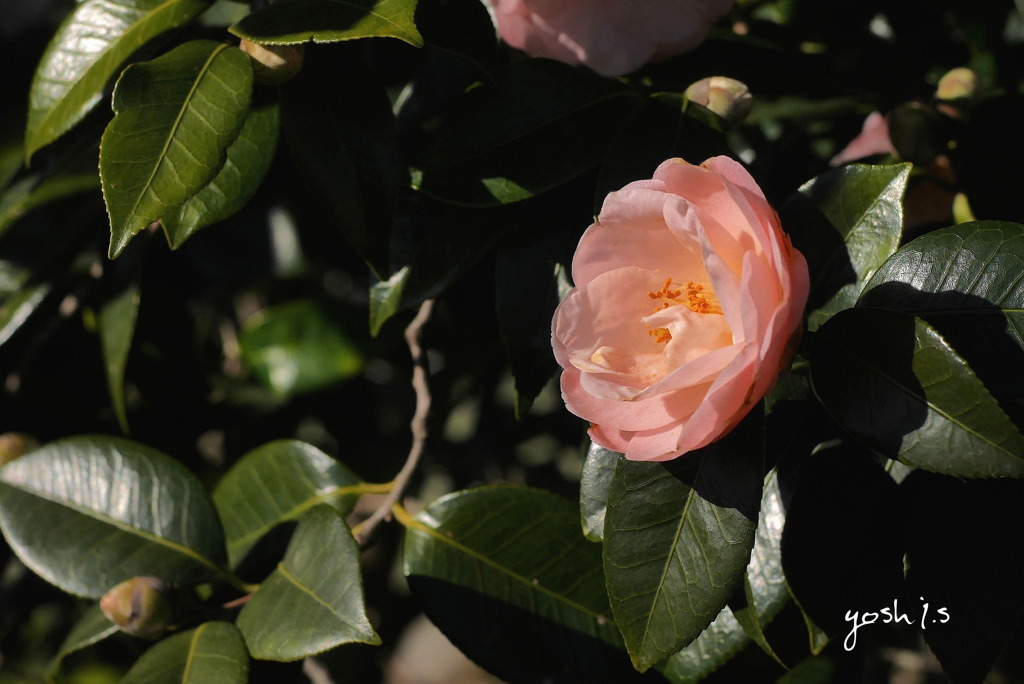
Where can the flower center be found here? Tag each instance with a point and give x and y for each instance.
(697, 297)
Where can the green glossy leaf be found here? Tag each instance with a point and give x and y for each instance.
(116, 324)
(847, 222)
(30, 193)
(248, 159)
(277, 482)
(893, 381)
(174, 119)
(344, 141)
(677, 539)
(965, 281)
(86, 52)
(298, 347)
(91, 628)
(212, 653)
(432, 255)
(765, 594)
(526, 297)
(598, 469)
(486, 150)
(313, 601)
(330, 21)
(113, 509)
(507, 566)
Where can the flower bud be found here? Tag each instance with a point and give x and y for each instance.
(139, 607)
(957, 84)
(726, 97)
(273, 64)
(14, 444)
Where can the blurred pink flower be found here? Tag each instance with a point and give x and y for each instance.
(612, 37)
(689, 300)
(873, 139)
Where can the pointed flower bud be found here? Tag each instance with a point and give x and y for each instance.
(139, 607)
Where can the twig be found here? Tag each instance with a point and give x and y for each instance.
(418, 423)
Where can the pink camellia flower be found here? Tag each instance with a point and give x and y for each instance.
(689, 299)
(612, 37)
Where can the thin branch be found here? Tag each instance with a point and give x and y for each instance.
(418, 423)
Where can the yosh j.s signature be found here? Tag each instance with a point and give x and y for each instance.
(888, 615)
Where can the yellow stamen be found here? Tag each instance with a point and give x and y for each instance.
(698, 297)
(660, 334)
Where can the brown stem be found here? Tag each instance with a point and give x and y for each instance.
(418, 423)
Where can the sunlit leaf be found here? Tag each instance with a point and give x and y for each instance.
(248, 159)
(505, 573)
(277, 482)
(765, 595)
(677, 538)
(175, 117)
(313, 601)
(212, 653)
(964, 280)
(846, 221)
(595, 482)
(86, 513)
(330, 21)
(892, 380)
(86, 52)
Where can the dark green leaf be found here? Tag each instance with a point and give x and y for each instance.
(846, 221)
(330, 21)
(963, 578)
(459, 27)
(86, 513)
(965, 281)
(486, 150)
(598, 470)
(212, 653)
(86, 52)
(658, 130)
(765, 594)
(430, 256)
(297, 347)
(91, 628)
(19, 307)
(313, 601)
(116, 324)
(174, 118)
(505, 573)
(29, 193)
(248, 159)
(677, 539)
(892, 380)
(527, 294)
(840, 532)
(276, 482)
(345, 143)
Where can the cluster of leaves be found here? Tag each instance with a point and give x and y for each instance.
(413, 157)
